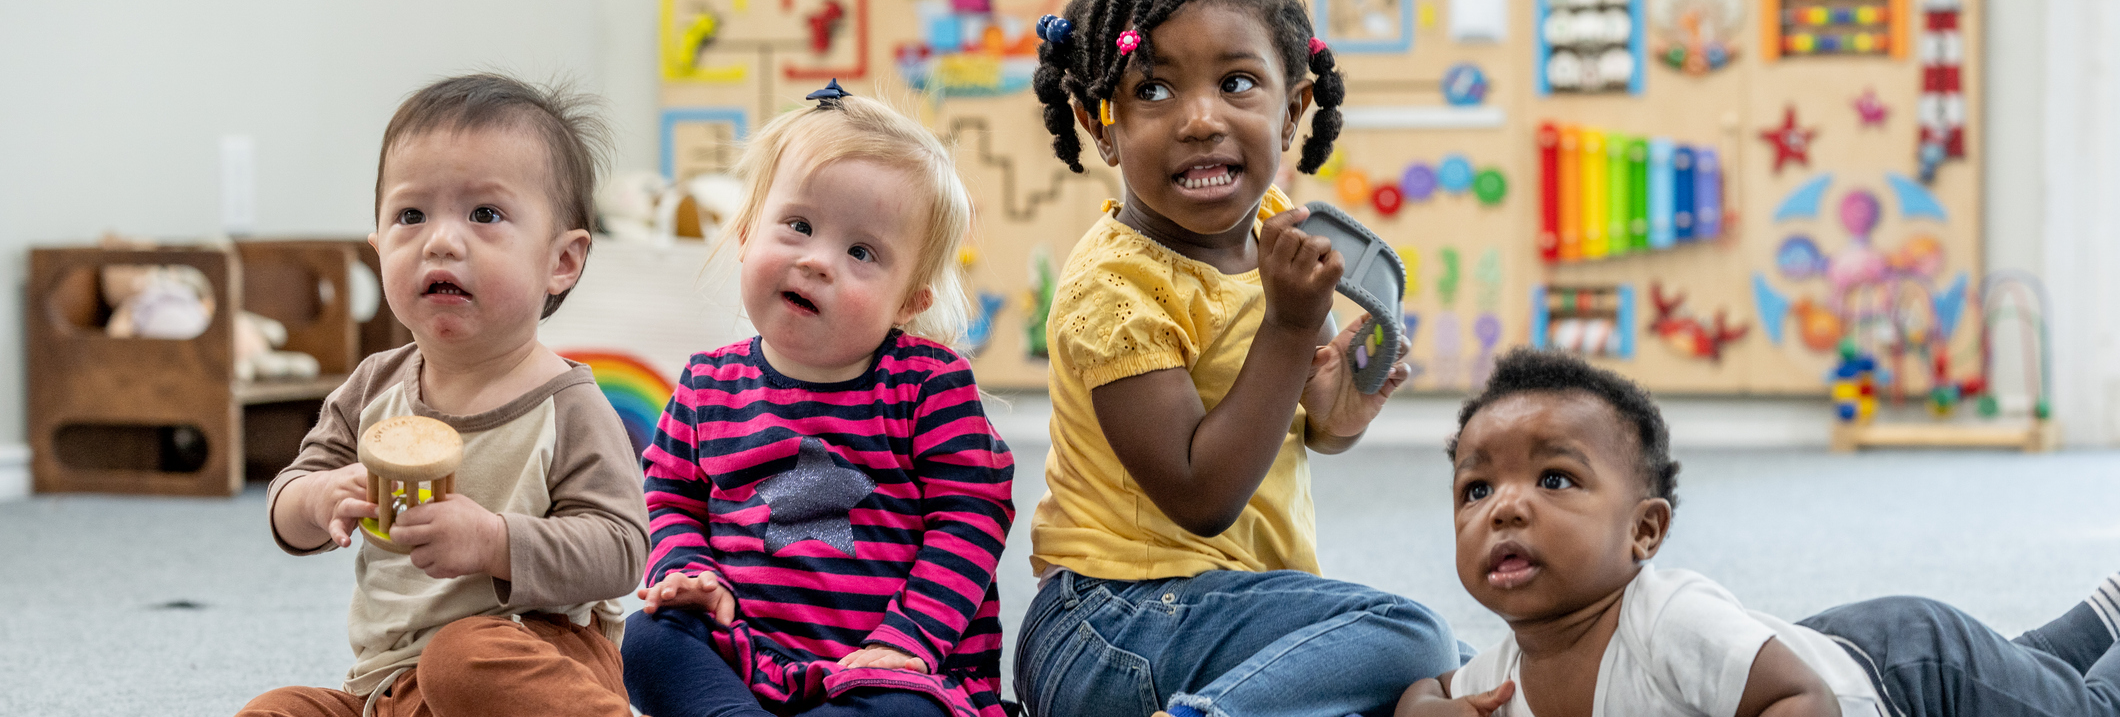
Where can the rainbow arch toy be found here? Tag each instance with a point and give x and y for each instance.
(636, 390)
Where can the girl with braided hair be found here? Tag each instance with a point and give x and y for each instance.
(1192, 369)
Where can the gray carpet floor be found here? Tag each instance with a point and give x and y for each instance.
(131, 606)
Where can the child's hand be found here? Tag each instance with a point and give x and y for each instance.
(1298, 272)
(704, 591)
(453, 537)
(338, 500)
(1479, 705)
(885, 657)
(1334, 405)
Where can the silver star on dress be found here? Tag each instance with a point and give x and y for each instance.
(811, 501)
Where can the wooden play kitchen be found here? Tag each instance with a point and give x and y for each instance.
(402, 454)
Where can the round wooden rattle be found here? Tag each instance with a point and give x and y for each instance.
(401, 453)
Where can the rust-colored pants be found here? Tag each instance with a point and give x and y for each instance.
(544, 665)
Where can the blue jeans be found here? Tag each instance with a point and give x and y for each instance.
(672, 670)
(1930, 660)
(1227, 643)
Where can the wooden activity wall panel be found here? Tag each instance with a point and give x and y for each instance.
(1707, 195)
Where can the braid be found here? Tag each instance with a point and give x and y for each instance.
(1050, 83)
(1327, 92)
(1107, 49)
(1086, 69)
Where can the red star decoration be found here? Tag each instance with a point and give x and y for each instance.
(1870, 108)
(1790, 142)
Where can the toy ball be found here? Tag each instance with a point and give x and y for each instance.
(1418, 182)
(1560, 28)
(1858, 212)
(1333, 163)
(1615, 67)
(1618, 26)
(1564, 70)
(1387, 199)
(1490, 187)
(1942, 399)
(1464, 85)
(1455, 176)
(1354, 187)
(1718, 55)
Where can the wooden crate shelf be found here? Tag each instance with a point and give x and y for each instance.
(168, 417)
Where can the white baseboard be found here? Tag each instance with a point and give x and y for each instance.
(1694, 422)
(1429, 420)
(14, 472)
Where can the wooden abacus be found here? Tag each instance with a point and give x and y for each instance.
(401, 454)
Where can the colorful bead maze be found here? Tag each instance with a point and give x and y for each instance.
(1813, 28)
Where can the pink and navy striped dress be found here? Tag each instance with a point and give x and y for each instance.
(847, 514)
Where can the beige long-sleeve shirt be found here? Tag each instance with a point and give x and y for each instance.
(555, 463)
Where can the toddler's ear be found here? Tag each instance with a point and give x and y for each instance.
(1298, 102)
(1652, 521)
(1095, 127)
(570, 252)
(918, 301)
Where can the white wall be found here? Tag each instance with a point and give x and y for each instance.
(114, 110)
(2081, 250)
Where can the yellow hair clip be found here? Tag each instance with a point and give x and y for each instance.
(1104, 112)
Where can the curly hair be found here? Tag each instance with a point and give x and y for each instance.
(1085, 69)
(1527, 370)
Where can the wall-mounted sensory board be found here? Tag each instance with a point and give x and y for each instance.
(1707, 195)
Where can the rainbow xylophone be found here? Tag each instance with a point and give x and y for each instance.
(1604, 194)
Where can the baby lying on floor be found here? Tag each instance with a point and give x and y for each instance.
(1564, 488)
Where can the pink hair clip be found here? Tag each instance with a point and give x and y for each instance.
(1316, 45)
(1128, 41)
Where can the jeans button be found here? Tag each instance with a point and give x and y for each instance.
(1170, 598)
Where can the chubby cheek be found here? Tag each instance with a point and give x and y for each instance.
(757, 277)
(1471, 543)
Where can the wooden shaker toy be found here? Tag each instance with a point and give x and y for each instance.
(401, 454)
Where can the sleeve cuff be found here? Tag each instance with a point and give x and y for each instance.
(1128, 368)
(272, 505)
(893, 638)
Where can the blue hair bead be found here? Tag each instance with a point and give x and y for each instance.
(1055, 29)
